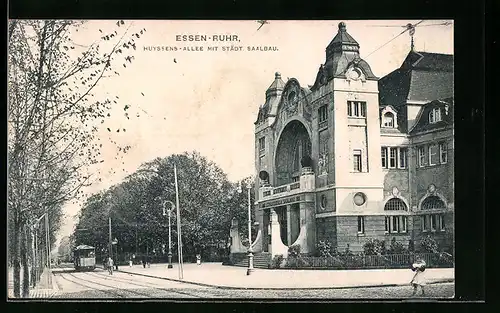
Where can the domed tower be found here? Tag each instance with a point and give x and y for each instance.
(264, 139)
(264, 147)
(352, 176)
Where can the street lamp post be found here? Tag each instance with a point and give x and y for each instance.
(250, 250)
(168, 211)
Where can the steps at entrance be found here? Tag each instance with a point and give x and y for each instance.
(260, 260)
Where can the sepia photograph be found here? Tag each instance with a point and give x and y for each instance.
(230, 159)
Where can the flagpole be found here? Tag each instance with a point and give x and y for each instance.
(179, 237)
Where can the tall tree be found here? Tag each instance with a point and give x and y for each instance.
(53, 119)
(207, 200)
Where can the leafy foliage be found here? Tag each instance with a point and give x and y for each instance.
(207, 203)
(397, 247)
(429, 245)
(294, 251)
(374, 247)
(325, 249)
(276, 261)
(53, 120)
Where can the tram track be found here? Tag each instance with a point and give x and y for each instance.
(88, 286)
(144, 285)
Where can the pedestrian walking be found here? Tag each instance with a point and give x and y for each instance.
(130, 262)
(110, 266)
(143, 260)
(198, 259)
(418, 279)
(148, 261)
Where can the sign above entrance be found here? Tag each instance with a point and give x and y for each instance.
(280, 202)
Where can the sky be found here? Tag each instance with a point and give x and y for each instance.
(208, 100)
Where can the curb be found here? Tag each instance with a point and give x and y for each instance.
(285, 288)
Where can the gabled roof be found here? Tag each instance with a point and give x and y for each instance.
(429, 61)
(422, 121)
(423, 76)
(394, 88)
(430, 85)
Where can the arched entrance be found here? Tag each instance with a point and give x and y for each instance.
(293, 145)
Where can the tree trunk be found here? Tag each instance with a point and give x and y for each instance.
(33, 258)
(17, 250)
(24, 261)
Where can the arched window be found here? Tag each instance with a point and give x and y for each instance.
(388, 119)
(395, 204)
(433, 202)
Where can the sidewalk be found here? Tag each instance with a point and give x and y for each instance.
(41, 290)
(230, 277)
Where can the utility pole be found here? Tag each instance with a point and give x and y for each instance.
(110, 250)
(250, 250)
(179, 236)
(49, 276)
(136, 238)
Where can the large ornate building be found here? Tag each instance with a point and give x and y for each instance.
(356, 157)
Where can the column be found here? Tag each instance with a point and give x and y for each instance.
(294, 223)
(289, 225)
(308, 224)
(277, 246)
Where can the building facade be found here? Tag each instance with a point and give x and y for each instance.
(354, 157)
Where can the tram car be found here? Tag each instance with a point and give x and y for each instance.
(84, 258)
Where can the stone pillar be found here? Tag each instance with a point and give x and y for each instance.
(265, 230)
(236, 245)
(277, 246)
(288, 225)
(307, 225)
(294, 223)
(258, 244)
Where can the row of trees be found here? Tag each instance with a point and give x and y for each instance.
(208, 202)
(53, 121)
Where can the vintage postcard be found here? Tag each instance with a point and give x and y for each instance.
(269, 159)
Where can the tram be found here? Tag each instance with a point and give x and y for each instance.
(84, 258)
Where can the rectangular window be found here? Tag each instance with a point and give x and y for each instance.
(362, 108)
(441, 222)
(395, 224)
(443, 153)
(361, 224)
(433, 222)
(356, 109)
(421, 156)
(322, 114)
(402, 157)
(392, 157)
(435, 115)
(387, 224)
(384, 157)
(433, 154)
(404, 222)
(425, 225)
(357, 160)
(262, 144)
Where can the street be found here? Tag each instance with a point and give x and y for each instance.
(99, 284)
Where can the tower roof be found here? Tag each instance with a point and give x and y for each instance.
(342, 42)
(278, 83)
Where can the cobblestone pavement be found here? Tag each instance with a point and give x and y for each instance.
(445, 290)
(100, 285)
